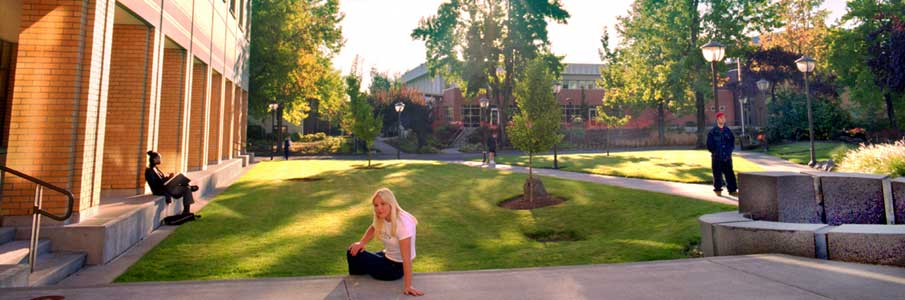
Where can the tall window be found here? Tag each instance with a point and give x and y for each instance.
(7, 73)
(471, 115)
(569, 112)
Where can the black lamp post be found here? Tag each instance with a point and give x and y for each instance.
(713, 53)
(806, 65)
(763, 85)
(484, 104)
(556, 89)
(273, 127)
(399, 108)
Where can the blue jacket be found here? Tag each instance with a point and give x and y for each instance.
(720, 142)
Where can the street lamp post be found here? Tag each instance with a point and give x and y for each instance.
(713, 53)
(742, 101)
(273, 126)
(399, 107)
(806, 65)
(763, 85)
(484, 104)
(556, 89)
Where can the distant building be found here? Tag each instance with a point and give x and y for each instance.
(579, 97)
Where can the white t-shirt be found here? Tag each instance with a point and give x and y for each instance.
(405, 228)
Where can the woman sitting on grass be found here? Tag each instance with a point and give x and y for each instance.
(396, 229)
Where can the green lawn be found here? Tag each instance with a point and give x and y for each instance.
(267, 225)
(692, 166)
(799, 153)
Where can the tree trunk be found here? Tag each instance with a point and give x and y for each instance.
(368, 149)
(530, 176)
(701, 119)
(606, 137)
(891, 113)
(661, 127)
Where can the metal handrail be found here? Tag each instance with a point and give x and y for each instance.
(37, 212)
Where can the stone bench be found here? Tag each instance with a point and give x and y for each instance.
(873, 244)
(779, 197)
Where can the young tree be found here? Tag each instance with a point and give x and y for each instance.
(608, 121)
(291, 47)
(360, 119)
(483, 46)
(535, 128)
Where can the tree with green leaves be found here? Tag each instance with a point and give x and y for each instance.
(869, 57)
(535, 128)
(483, 46)
(361, 119)
(332, 97)
(662, 64)
(292, 42)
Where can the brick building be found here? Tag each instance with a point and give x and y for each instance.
(580, 95)
(88, 86)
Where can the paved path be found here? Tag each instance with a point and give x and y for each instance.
(730, 277)
(773, 163)
(690, 190)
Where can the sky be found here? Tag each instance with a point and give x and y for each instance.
(379, 32)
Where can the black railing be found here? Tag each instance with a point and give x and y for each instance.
(37, 212)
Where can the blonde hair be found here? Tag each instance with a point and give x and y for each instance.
(395, 211)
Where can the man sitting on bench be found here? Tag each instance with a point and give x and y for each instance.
(170, 185)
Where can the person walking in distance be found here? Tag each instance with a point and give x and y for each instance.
(491, 150)
(720, 143)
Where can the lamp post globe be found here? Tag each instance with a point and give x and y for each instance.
(806, 65)
(713, 52)
(763, 85)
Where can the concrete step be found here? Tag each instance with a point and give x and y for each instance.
(16, 252)
(7, 234)
(55, 266)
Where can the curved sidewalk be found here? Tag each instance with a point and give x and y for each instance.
(690, 190)
(728, 277)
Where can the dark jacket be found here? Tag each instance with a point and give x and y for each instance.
(720, 143)
(156, 181)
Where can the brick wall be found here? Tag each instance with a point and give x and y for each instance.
(58, 102)
(237, 121)
(127, 108)
(172, 94)
(198, 121)
(227, 119)
(213, 133)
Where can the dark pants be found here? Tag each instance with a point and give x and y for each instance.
(187, 199)
(286, 154)
(374, 264)
(723, 168)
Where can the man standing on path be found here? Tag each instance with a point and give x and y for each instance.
(720, 143)
(491, 150)
(286, 145)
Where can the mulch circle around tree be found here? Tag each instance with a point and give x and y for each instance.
(305, 179)
(521, 202)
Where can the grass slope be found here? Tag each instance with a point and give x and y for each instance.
(267, 225)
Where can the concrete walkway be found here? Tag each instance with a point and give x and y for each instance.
(690, 190)
(773, 163)
(734, 277)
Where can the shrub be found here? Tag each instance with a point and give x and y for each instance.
(885, 159)
(789, 120)
(471, 148)
(328, 145)
(313, 137)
